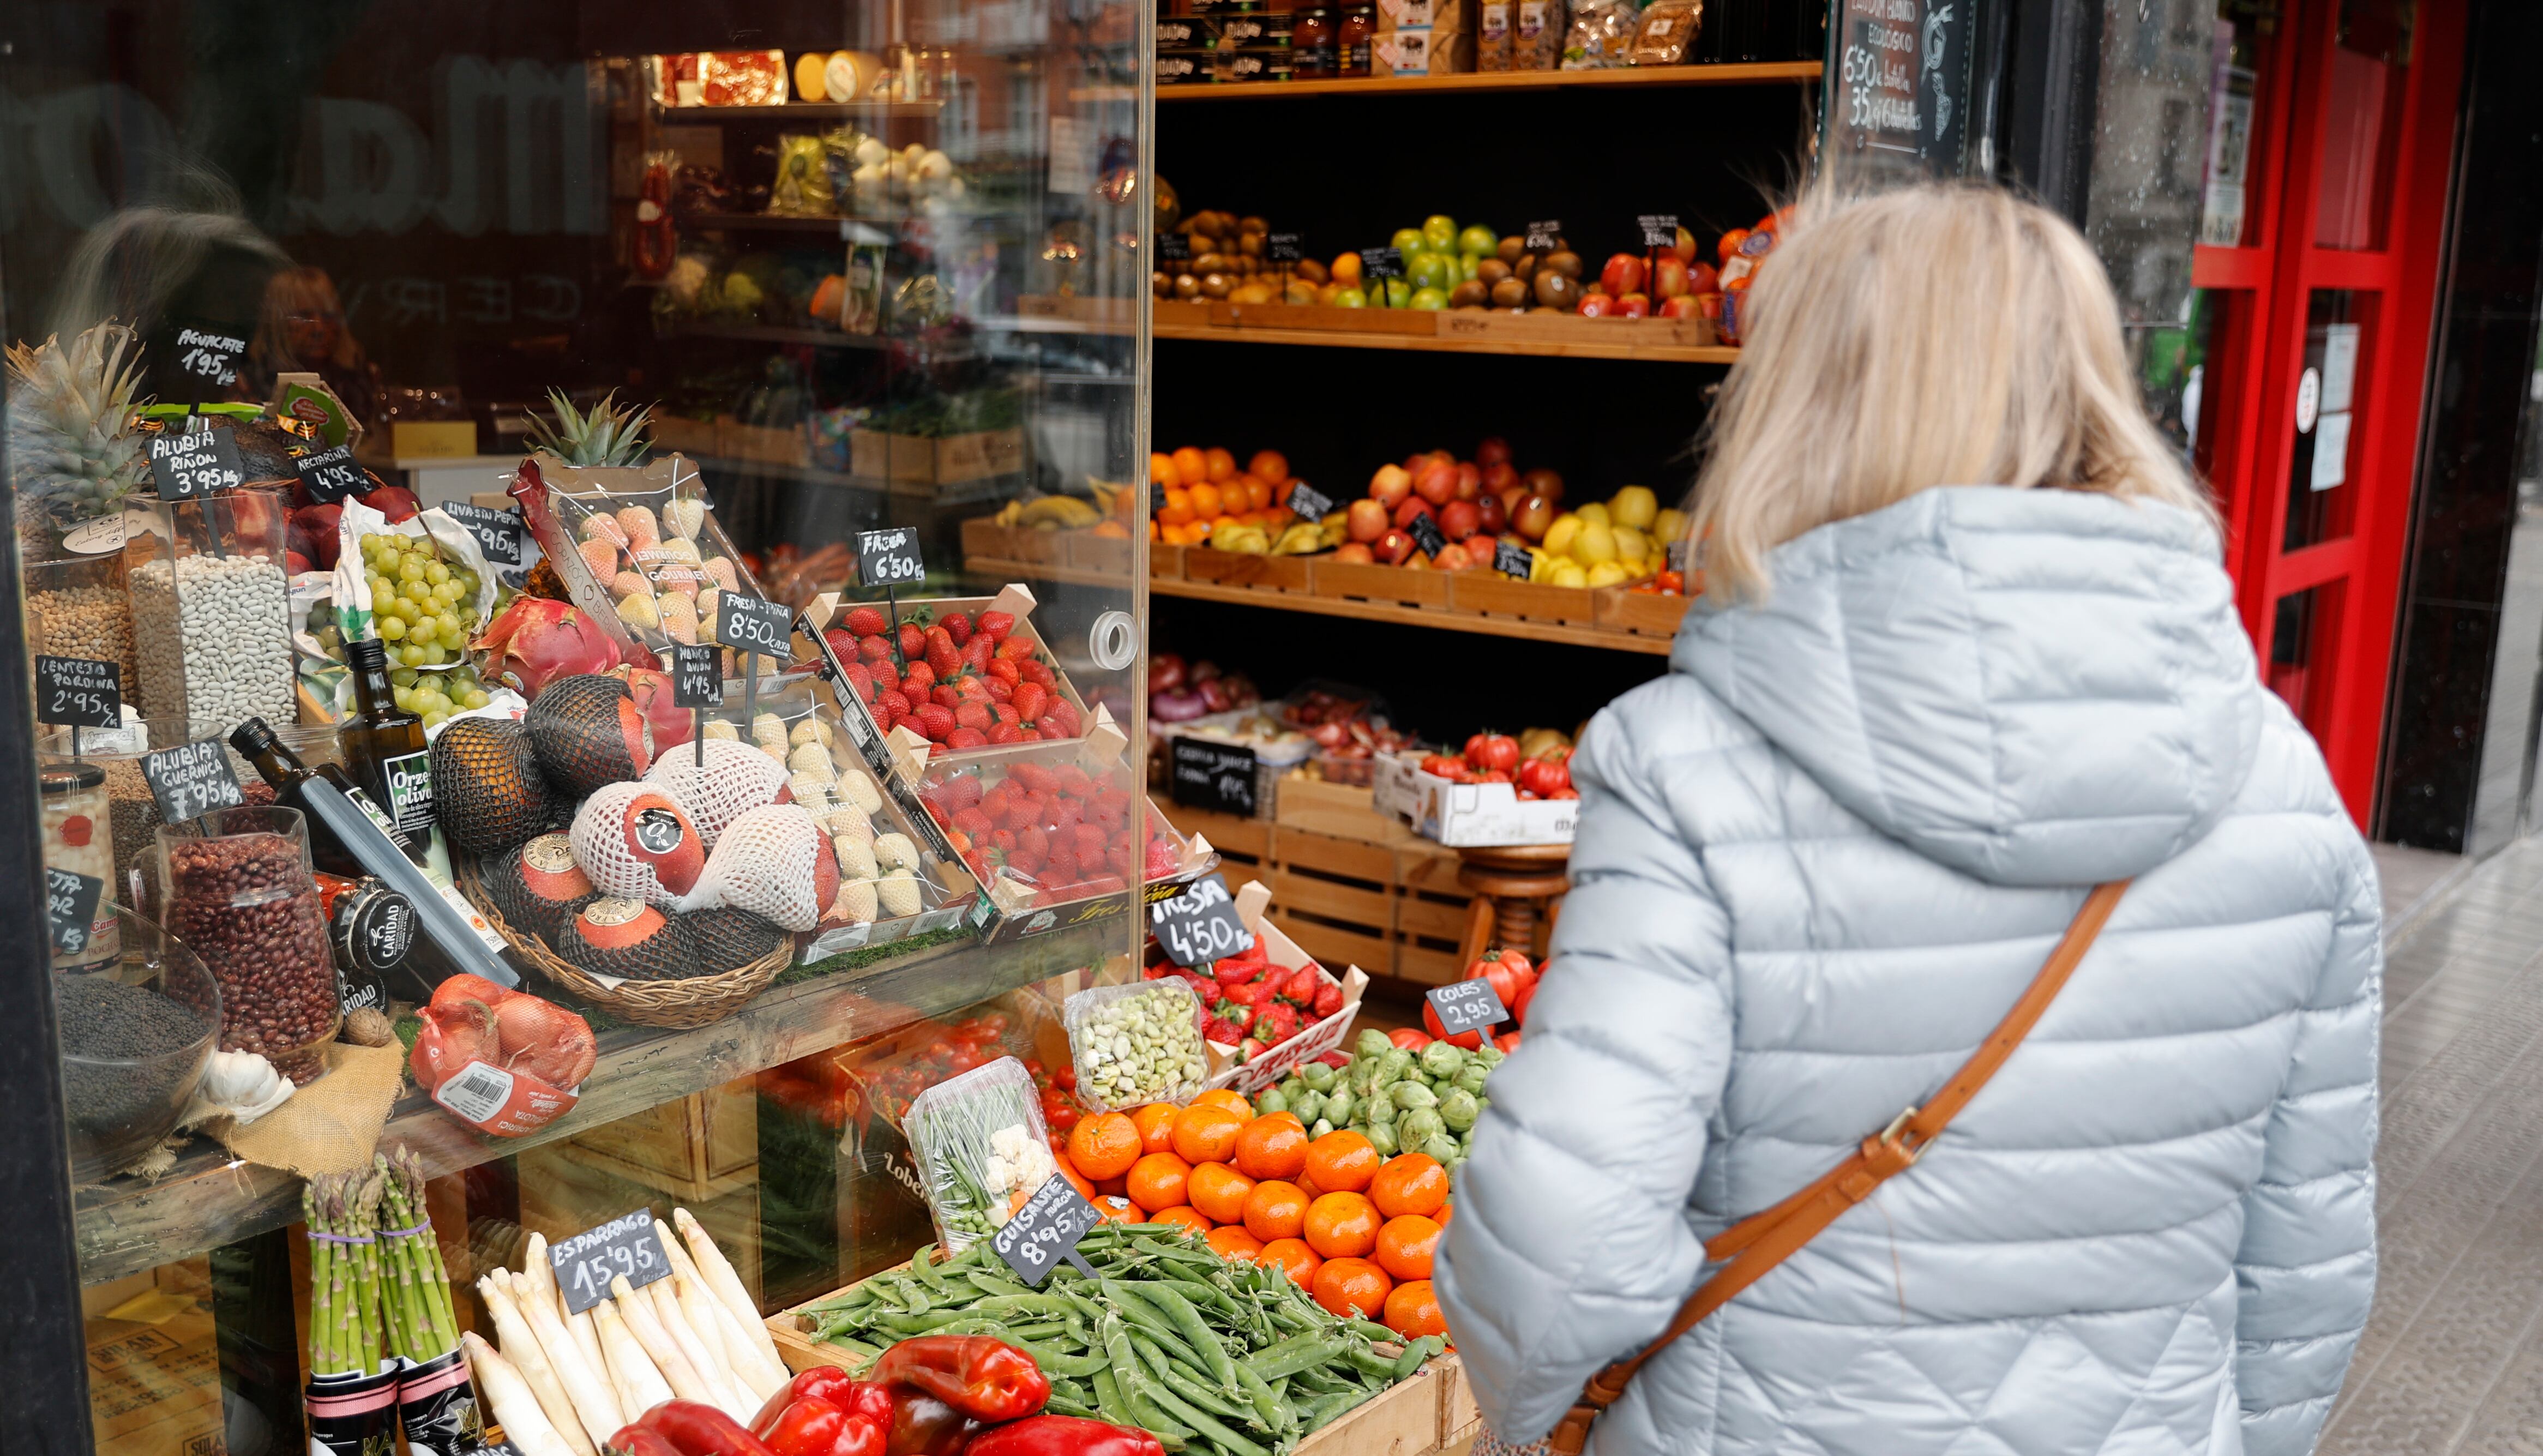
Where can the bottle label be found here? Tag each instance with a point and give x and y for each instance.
(388, 826)
(409, 786)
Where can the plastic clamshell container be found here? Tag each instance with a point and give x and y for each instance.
(1174, 1029)
(953, 1130)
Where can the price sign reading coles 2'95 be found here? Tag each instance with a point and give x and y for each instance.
(890, 556)
(1200, 925)
(497, 532)
(79, 692)
(697, 675)
(188, 467)
(192, 779)
(586, 1263)
(1467, 1006)
(1046, 1231)
(752, 625)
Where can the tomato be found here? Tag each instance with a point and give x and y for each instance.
(1409, 1039)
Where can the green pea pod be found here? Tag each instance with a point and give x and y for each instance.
(1332, 1408)
(1416, 1354)
(1269, 1409)
(1368, 1362)
(1124, 1366)
(1189, 1384)
(1304, 1351)
(1188, 1321)
(1200, 1421)
(1060, 1405)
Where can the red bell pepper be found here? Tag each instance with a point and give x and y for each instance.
(923, 1425)
(635, 1440)
(813, 1426)
(830, 1383)
(693, 1428)
(972, 1373)
(1065, 1436)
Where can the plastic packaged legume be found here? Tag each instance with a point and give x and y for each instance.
(1136, 1043)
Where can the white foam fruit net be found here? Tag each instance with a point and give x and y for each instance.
(773, 862)
(615, 823)
(736, 779)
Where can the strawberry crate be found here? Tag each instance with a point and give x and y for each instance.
(1244, 1062)
(966, 702)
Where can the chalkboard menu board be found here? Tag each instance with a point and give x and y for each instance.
(1900, 102)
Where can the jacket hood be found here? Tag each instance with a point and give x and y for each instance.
(2029, 686)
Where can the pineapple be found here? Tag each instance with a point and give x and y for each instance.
(604, 434)
(73, 454)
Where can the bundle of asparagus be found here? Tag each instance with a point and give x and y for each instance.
(563, 1384)
(345, 1322)
(415, 1283)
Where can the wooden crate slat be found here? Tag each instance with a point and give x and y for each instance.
(1330, 898)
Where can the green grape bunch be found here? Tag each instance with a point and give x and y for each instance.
(426, 609)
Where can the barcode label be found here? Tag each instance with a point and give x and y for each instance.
(477, 1094)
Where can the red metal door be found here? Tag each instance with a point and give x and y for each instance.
(2321, 270)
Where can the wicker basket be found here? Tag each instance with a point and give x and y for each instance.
(696, 1001)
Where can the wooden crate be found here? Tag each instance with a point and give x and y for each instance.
(1495, 594)
(696, 1149)
(1166, 561)
(1391, 909)
(1645, 613)
(1344, 811)
(984, 537)
(1418, 323)
(1242, 845)
(1238, 569)
(1089, 552)
(1553, 332)
(1377, 583)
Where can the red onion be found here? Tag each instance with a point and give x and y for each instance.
(1178, 706)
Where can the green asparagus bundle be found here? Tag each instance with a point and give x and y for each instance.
(415, 1284)
(1210, 1354)
(345, 1329)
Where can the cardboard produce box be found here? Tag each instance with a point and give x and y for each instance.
(927, 459)
(1267, 1069)
(1469, 816)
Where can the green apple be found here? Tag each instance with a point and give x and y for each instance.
(1430, 270)
(1349, 298)
(1408, 241)
(1440, 231)
(1476, 241)
(1466, 266)
(1399, 293)
(1430, 298)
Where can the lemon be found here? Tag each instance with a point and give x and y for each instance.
(1596, 511)
(1607, 573)
(1631, 545)
(1557, 537)
(1569, 573)
(1634, 506)
(1668, 525)
(1595, 543)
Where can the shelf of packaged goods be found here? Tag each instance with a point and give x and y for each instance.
(1589, 345)
(1753, 73)
(799, 111)
(126, 1226)
(711, 222)
(824, 339)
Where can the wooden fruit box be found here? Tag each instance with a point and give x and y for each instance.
(1645, 613)
(1555, 331)
(1377, 583)
(1166, 561)
(1420, 322)
(1110, 555)
(1391, 905)
(1177, 311)
(1496, 596)
(1410, 1419)
(1239, 568)
(984, 537)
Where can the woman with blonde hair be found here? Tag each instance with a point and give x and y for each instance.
(1970, 978)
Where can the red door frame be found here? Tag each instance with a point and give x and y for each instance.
(2258, 355)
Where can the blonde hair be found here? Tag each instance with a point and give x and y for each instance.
(1936, 336)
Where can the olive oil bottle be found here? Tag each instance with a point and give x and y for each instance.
(383, 744)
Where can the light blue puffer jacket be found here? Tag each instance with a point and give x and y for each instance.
(1816, 863)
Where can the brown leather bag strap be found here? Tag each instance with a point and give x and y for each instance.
(1759, 1243)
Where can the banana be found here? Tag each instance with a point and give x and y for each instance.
(1009, 514)
(1301, 539)
(1059, 512)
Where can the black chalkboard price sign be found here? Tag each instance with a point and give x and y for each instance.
(1544, 235)
(1215, 776)
(1513, 561)
(1200, 925)
(79, 692)
(1174, 247)
(192, 779)
(1310, 503)
(1280, 248)
(1467, 1006)
(1660, 229)
(890, 557)
(329, 476)
(70, 904)
(1046, 1231)
(190, 467)
(1381, 262)
(753, 625)
(697, 675)
(497, 532)
(207, 357)
(1426, 534)
(586, 1263)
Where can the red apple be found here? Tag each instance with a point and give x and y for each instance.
(1411, 506)
(1491, 514)
(1417, 562)
(1391, 483)
(1436, 483)
(294, 563)
(1460, 519)
(1470, 481)
(1634, 306)
(1703, 278)
(1682, 306)
(1492, 451)
(1355, 553)
(1367, 520)
(1452, 557)
(1668, 276)
(1500, 476)
(1597, 306)
(1545, 483)
(1392, 548)
(1684, 247)
(1623, 274)
(1532, 518)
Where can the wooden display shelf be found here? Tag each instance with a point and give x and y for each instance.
(1453, 330)
(1756, 73)
(126, 1226)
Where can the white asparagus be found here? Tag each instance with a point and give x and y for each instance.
(638, 1313)
(525, 1423)
(759, 1370)
(734, 1401)
(537, 1268)
(595, 1399)
(521, 1347)
(724, 1283)
(640, 1387)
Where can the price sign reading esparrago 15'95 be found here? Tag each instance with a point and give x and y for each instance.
(1200, 925)
(753, 625)
(1046, 1231)
(586, 1263)
(890, 557)
(79, 692)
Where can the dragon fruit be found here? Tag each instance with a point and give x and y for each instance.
(536, 639)
(657, 702)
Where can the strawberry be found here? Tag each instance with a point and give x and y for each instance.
(1031, 735)
(1061, 868)
(1164, 860)
(874, 649)
(934, 721)
(1070, 778)
(1005, 732)
(913, 642)
(1032, 844)
(946, 661)
(976, 653)
(965, 790)
(958, 626)
(1011, 812)
(973, 822)
(1329, 999)
(972, 716)
(998, 688)
(1089, 843)
(1030, 700)
(1222, 1033)
(893, 703)
(1236, 1014)
(1245, 993)
(861, 678)
(996, 625)
(918, 680)
(966, 737)
(972, 689)
(1066, 712)
(1004, 670)
(1018, 648)
(1250, 1048)
(1049, 727)
(1302, 984)
(1039, 672)
(1033, 777)
(866, 622)
(1277, 1022)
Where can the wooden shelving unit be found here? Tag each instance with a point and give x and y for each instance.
(1751, 74)
(1589, 345)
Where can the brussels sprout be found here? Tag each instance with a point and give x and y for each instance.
(1372, 1043)
(1490, 1055)
(1269, 1103)
(1411, 1095)
(1291, 1087)
(1318, 1076)
(1441, 1149)
(1459, 1110)
(1318, 1128)
(1382, 1137)
(1418, 1127)
(1339, 1104)
(1466, 1140)
(1472, 1078)
(1364, 1074)
(1393, 1068)
(1379, 1105)
(1442, 1059)
(1309, 1106)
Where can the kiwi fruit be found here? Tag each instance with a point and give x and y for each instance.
(1565, 262)
(1510, 293)
(1162, 285)
(1554, 289)
(1252, 226)
(1525, 268)
(1468, 295)
(1212, 261)
(1250, 244)
(1491, 270)
(1511, 250)
(1186, 287)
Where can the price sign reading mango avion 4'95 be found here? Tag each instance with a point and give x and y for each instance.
(1200, 925)
(697, 675)
(890, 556)
(586, 1263)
